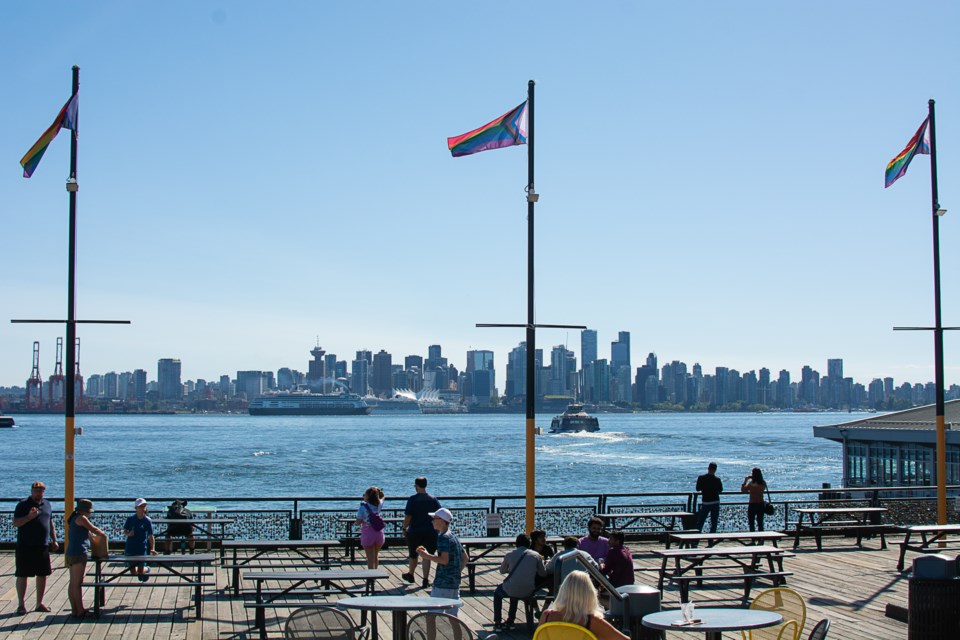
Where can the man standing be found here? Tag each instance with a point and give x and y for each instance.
(710, 488)
(593, 543)
(450, 558)
(35, 539)
(418, 528)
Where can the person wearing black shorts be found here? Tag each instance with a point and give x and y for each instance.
(35, 539)
(418, 528)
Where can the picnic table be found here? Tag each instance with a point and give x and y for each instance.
(930, 535)
(747, 558)
(662, 521)
(485, 545)
(712, 539)
(261, 554)
(329, 580)
(188, 569)
(827, 519)
(395, 525)
(210, 529)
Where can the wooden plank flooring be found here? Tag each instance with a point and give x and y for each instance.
(846, 584)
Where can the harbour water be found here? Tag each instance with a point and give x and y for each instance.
(239, 455)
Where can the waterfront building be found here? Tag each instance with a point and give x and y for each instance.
(169, 388)
(251, 384)
(285, 379)
(620, 351)
(316, 370)
(111, 385)
(94, 385)
(896, 449)
(140, 385)
(588, 346)
(381, 379)
(359, 376)
(647, 378)
(515, 387)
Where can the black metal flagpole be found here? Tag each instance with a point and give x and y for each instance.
(70, 391)
(938, 330)
(531, 396)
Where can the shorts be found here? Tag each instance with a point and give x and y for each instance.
(371, 538)
(72, 560)
(438, 592)
(33, 561)
(426, 540)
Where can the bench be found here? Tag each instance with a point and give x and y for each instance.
(932, 536)
(270, 565)
(778, 577)
(177, 571)
(850, 529)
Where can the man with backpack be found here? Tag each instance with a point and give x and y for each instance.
(178, 511)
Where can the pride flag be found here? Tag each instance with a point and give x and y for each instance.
(66, 119)
(919, 143)
(506, 131)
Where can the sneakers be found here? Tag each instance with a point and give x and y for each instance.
(145, 576)
(425, 583)
(408, 577)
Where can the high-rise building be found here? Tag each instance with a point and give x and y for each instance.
(360, 376)
(620, 351)
(139, 385)
(316, 370)
(382, 376)
(111, 385)
(251, 384)
(588, 347)
(169, 387)
(285, 379)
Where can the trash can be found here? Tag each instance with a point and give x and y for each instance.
(934, 599)
(638, 601)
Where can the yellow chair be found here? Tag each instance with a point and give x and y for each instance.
(562, 631)
(787, 603)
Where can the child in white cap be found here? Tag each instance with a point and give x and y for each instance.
(139, 531)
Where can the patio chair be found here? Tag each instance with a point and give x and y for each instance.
(322, 623)
(439, 626)
(820, 631)
(787, 603)
(562, 631)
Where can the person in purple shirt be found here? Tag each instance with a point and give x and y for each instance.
(618, 566)
(593, 543)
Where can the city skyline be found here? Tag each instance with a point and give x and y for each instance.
(255, 178)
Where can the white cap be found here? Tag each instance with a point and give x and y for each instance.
(138, 502)
(443, 514)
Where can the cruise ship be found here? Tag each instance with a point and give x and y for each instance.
(302, 403)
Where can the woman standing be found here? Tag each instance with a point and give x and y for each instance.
(755, 485)
(577, 603)
(371, 538)
(75, 556)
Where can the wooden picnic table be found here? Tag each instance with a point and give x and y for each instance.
(485, 546)
(209, 528)
(632, 518)
(259, 549)
(743, 537)
(930, 535)
(748, 558)
(330, 581)
(826, 519)
(187, 568)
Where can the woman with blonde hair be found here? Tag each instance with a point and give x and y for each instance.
(368, 517)
(577, 603)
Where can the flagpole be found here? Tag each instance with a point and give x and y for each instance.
(70, 391)
(531, 396)
(938, 330)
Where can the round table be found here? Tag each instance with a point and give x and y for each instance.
(399, 605)
(713, 621)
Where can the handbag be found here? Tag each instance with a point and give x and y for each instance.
(768, 507)
(376, 522)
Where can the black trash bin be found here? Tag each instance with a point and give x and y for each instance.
(934, 599)
(638, 601)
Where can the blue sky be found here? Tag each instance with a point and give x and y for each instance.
(257, 176)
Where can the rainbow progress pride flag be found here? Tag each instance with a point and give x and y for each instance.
(919, 143)
(506, 131)
(66, 119)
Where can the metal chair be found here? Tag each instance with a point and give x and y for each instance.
(322, 623)
(562, 631)
(820, 631)
(439, 626)
(787, 603)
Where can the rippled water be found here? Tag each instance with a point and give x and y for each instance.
(238, 455)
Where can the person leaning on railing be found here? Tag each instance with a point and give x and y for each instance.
(577, 603)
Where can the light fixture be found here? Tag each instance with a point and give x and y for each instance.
(941, 212)
(72, 185)
(533, 196)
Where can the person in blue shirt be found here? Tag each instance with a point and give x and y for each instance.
(140, 542)
(450, 559)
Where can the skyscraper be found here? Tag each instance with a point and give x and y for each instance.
(382, 378)
(169, 387)
(588, 347)
(620, 351)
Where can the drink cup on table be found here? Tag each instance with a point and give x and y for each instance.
(687, 610)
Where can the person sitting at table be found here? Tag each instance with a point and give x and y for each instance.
(755, 485)
(538, 542)
(577, 603)
(522, 565)
(618, 565)
(568, 560)
(140, 542)
(593, 543)
(371, 539)
(79, 529)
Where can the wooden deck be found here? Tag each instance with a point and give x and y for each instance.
(846, 584)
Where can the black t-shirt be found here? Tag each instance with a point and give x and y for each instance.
(419, 506)
(710, 486)
(35, 533)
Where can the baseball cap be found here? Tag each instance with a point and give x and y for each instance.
(38, 485)
(443, 514)
(138, 502)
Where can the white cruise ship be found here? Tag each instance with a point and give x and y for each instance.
(303, 403)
